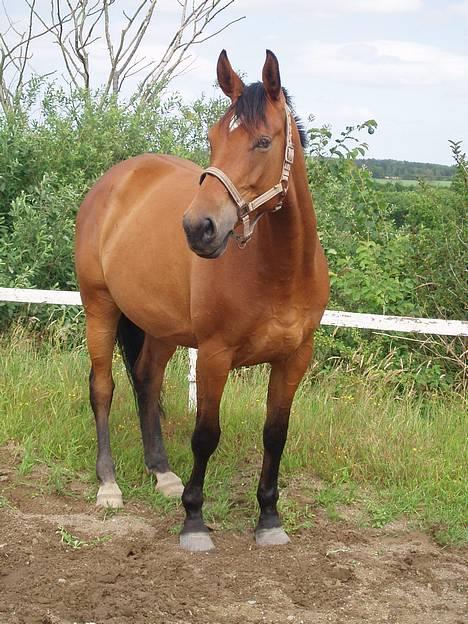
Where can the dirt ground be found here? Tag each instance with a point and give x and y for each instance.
(335, 572)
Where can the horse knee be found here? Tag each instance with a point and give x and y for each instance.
(274, 436)
(205, 439)
(101, 388)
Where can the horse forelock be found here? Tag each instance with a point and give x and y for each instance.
(250, 110)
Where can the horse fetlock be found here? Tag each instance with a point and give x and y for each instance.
(157, 465)
(267, 498)
(192, 499)
(105, 469)
(269, 519)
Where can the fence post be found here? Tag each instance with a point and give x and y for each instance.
(192, 378)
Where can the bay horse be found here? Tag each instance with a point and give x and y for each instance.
(158, 266)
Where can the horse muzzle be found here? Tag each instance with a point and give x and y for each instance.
(204, 236)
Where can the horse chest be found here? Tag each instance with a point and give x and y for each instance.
(277, 336)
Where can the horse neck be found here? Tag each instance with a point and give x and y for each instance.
(288, 238)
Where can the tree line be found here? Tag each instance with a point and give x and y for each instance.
(388, 168)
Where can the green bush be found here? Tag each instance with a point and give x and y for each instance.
(389, 252)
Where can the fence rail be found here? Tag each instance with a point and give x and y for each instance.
(335, 318)
(438, 327)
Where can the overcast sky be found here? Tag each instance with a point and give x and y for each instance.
(401, 62)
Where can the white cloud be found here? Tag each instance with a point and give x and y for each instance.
(384, 63)
(335, 6)
(352, 112)
(461, 8)
(385, 6)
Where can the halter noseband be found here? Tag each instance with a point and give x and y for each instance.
(244, 208)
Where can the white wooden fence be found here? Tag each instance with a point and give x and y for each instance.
(438, 327)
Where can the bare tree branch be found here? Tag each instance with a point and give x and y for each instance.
(121, 59)
(76, 25)
(16, 54)
(198, 18)
(27, 45)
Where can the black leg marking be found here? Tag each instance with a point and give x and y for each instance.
(204, 443)
(274, 438)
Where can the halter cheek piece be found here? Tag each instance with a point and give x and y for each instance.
(244, 208)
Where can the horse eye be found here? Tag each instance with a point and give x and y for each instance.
(263, 142)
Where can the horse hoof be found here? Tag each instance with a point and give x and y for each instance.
(169, 484)
(271, 537)
(196, 542)
(109, 495)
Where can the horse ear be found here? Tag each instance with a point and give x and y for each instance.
(271, 76)
(229, 81)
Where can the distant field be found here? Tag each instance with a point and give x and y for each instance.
(412, 182)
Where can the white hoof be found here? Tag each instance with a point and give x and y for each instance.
(271, 537)
(196, 542)
(169, 484)
(109, 495)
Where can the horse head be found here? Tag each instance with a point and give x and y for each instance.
(251, 157)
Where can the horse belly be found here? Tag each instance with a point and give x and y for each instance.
(161, 312)
(146, 266)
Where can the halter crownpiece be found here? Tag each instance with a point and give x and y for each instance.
(244, 208)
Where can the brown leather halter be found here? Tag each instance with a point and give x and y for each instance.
(244, 208)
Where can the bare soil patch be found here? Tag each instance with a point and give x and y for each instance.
(334, 572)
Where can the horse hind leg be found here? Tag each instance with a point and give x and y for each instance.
(146, 360)
(102, 316)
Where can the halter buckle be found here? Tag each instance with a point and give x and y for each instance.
(244, 210)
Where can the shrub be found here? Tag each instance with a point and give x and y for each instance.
(389, 252)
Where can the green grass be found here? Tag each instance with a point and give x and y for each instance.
(75, 542)
(383, 452)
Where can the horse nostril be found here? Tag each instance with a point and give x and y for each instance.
(200, 231)
(209, 229)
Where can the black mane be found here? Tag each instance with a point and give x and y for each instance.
(250, 107)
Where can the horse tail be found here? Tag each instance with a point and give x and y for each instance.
(130, 339)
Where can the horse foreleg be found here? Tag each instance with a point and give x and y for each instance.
(212, 370)
(101, 328)
(148, 377)
(285, 376)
